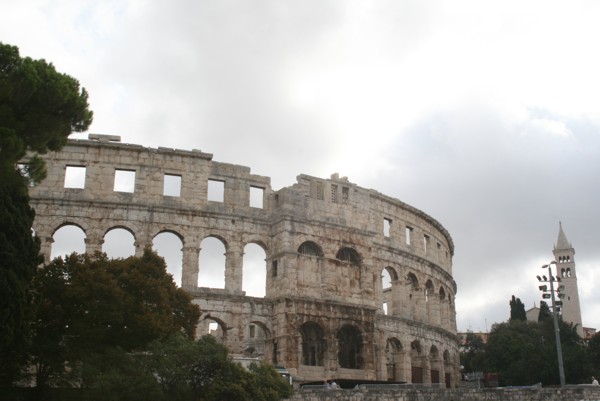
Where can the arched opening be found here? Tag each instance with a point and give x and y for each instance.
(443, 305)
(169, 246)
(212, 326)
(416, 362)
(349, 255)
(432, 303)
(118, 243)
(393, 359)
(414, 299)
(255, 339)
(211, 263)
(66, 240)
(310, 248)
(254, 271)
(350, 347)
(447, 369)
(435, 365)
(313, 344)
(388, 275)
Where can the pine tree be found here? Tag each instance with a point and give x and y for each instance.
(39, 108)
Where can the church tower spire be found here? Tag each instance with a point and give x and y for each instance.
(564, 255)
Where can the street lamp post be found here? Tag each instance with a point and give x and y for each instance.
(555, 308)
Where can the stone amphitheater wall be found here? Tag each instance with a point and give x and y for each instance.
(327, 243)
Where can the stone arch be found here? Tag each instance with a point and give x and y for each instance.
(443, 307)
(414, 299)
(62, 223)
(389, 290)
(214, 326)
(350, 347)
(435, 365)
(66, 239)
(310, 248)
(257, 336)
(212, 261)
(254, 265)
(448, 369)
(431, 303)
(394, 360)
(349, 255)
(169, 245)
(416, 362)
(313, 344)
(119, 241)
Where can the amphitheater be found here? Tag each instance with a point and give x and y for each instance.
(358, 285)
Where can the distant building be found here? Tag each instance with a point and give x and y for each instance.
(533, 314)
(564, 254)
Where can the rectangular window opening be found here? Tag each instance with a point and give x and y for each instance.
(425, 243)
(216, 190)
(256, 197)
(387, 225)
(172, 185)
(320, 193)
(334, 193)
(124, 181)
(274, 269)
(408, 234)
(75, 177)
(345, 194)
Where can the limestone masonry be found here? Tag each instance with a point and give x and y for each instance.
(327, 312)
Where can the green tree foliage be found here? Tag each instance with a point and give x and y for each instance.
(268, 384)
(524, 353)
(87, 304)
(472, 353)
(594, 353)
(39, 108)
(203, 371)
(115, 375)
(545, 313)
(517, 309)
(19, 258)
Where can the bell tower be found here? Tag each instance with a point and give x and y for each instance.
(564, 254)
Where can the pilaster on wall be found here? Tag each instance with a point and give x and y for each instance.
(190, 266)
(46, 248)
(234, 259)
(93, 242)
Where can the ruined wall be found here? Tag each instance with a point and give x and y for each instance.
(327, 244)
(568, 393)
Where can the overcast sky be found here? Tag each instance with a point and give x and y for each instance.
(483, 114)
